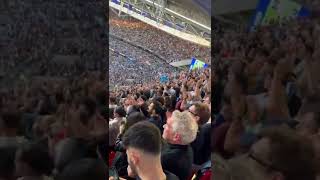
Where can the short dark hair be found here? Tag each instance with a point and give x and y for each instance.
(120, 110)
(157, 107)
(133, 118)
(160, 99)
(144, 98)
(144, 136)
(147, 94)
(131, 109)
(112, 99)
(84, 169)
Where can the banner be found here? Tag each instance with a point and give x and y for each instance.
(197, 64)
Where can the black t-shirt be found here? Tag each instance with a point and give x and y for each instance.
(169, 176)
(177, 159)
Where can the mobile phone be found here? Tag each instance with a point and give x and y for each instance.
(113, 172)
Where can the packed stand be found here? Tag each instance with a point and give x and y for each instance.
(50, 126)
(53, 114)
(161, 130)
(51, 37)
(266, 102)
(169, 47)
(129, 65)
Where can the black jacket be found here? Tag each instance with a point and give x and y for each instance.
(156, 120)
(178, 160)
(201, 145)
(169, 176)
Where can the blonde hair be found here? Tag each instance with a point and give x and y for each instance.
(185, 125)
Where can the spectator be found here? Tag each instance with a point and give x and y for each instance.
(143, 148)
(155, 110)
(114, 125)
(179, 131)
(201, 150)
(122, 163)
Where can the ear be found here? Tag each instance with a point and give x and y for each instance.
(135, 157)
(177, 138)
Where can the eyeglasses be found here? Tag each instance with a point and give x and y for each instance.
(193, 113)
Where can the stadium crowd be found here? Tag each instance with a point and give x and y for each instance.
(53, 119)
(37, 38)
(138, 65)
(161, 130)
(167, 46)
(266, 102)
(157, 129)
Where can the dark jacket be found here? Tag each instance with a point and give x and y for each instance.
(169, 176)
(201, 145)
(178, 160)
(156, 120)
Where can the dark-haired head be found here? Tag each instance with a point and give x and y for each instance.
(143, 136)
(119, 111)
(134, 118)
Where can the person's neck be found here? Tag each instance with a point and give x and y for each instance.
(152, 172)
